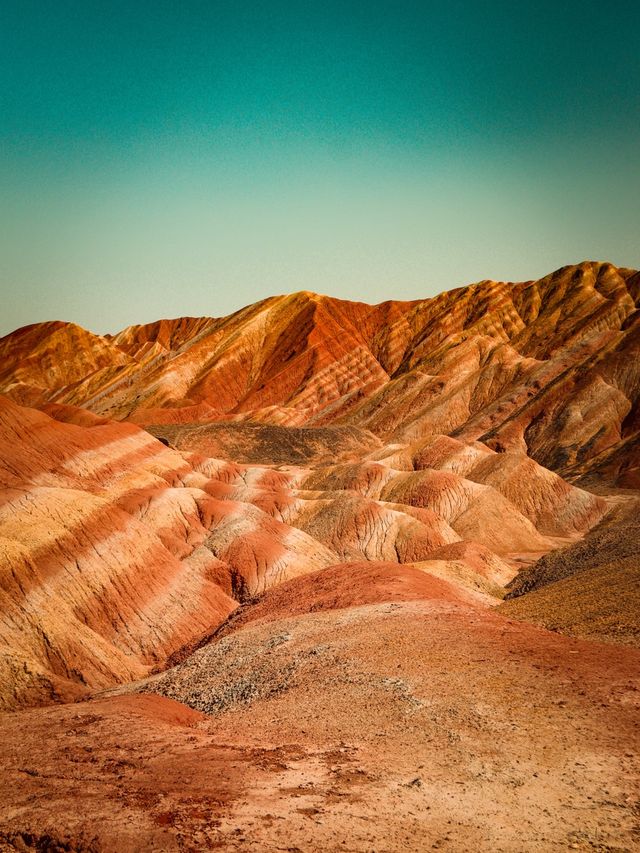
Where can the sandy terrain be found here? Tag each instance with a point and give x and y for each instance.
(382, 727)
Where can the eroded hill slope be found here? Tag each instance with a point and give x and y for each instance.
(549, 367)
(304, 432)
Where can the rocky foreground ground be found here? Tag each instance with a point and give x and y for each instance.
(403, 725)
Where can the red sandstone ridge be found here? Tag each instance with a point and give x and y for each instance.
(547, 367)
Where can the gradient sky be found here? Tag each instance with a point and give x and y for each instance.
(161, 159)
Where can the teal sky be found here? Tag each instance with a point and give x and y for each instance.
(160, 158)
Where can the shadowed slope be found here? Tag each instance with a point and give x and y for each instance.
(268, 444)
(591, 588)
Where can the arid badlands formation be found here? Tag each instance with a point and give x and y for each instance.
(326, 576)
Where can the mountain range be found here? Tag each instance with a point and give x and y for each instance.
(259, 541)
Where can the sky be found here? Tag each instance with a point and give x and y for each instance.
(163, 159)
